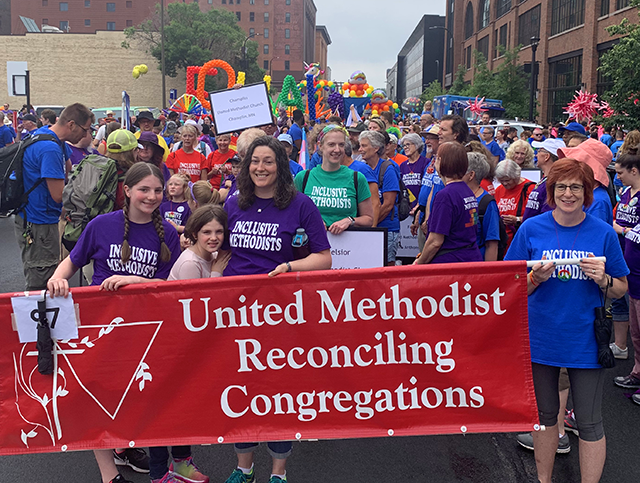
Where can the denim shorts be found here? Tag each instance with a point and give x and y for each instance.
(620, 308)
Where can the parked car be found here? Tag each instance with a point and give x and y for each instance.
(101, 112)
(519, 125)
(56, 109)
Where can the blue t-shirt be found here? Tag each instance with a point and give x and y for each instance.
(44, 159)
(614, 148)
(430, 181)
(390, 182)
(561, 313)
(601, 206)
(295, 132)
(316, 160)
(489, 229)
(5, 136)
(294, 167)
(606, 139)
(495, 149)
(364, 168)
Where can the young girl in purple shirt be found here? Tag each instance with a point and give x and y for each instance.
(116, 242)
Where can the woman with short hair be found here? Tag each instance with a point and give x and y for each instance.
(412, 170)
(511, 195)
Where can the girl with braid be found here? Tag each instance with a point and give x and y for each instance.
(132, 245)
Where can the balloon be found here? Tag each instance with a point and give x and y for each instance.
(365, 86)
(136, 72)
(385, 108)
(369, 90)
(374, 113)
(231, 79)
(330, 83)
(352, 93)
(346, 86)
(397, 110)
(143, 69)
(360, 93)
(395, 105)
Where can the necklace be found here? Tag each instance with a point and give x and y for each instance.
(564, 274)
(259, 210)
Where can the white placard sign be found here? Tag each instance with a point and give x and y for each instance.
(16, 78)
(237, 109)
(60, 313)
(407, 244)
(358, 248)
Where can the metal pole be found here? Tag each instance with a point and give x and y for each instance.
(532, 87)
(28, 89)
(164, 85)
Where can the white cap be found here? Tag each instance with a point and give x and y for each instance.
(550, 145)
(194, 124)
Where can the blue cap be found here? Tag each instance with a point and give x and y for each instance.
(573, 126)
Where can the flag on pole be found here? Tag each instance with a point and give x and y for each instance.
(126, 111)
(303, 156)
(353, 118)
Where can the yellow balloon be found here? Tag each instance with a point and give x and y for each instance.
(330, 83)
(352, 93)
(374, 113)
(369, 90)
(136, 72)
(395, 105)
(143, 68)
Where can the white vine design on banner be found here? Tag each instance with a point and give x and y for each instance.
(24, 372)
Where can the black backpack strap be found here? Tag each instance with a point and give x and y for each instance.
(483, 205)
(305, 179)
(383, 170)
(524, 196)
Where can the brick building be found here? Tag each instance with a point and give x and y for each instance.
(322, 50)
(572, 40)
(285, 30)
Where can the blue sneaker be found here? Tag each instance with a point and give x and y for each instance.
(277, 479)
(239, 477)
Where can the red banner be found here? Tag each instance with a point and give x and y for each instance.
(337, 354)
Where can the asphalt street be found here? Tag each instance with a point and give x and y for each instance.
(489, 458)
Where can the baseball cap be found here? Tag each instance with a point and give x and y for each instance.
(121, 141)
(550, 145)
(433, 130)
(144, 115)
(191, 122)
(29, 117)
(573, 126)
(286, 138)
(357, 129)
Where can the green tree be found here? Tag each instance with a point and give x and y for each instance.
(483, 81)
(511, 85)
(620, 65)
(193, 37)
(431, 91)
(459, 86)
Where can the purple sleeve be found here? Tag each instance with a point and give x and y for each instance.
(440, 219)
(173, 242)
(85, 246)
(313, 224)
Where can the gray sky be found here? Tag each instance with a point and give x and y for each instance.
(371, 39)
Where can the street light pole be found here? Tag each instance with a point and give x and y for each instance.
(245, 63)
(534, 46)
(164, 85)
(271, 64)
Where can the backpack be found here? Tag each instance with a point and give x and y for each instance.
(91, 191)
(402, 201)
(13, 197)
(504, 238)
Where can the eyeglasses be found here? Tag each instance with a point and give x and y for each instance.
(86, 130)
(575, 188)
(537, 134)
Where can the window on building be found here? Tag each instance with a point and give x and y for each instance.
(483, 46)
(87, 22)
(604, 7)
(266, 16)
(252, 2)
(224, 2)
(620, 4)
(111, 7)
(287, 49)
(265, 49)
(467, 55)
(45, 21)
(87, 3)
(237, 2)
(565, 77)
(468, 22)
(64, 25)
(129, 23)
(566, 14)
(287, 65)
(64, 7)
(265, 64)
(252, 16)
(529, 26)
(502, 7)
(266, 33)
(484, 15)
(252, 31)
(287, 17)
(604, 83)
(129, 4)
(210, 2)
(239, 16)
(230, 2)
(287, 33)
(45, 3)
(111, 25)
(288, 2)
(266, 2)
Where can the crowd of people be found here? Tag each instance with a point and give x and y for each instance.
(239, 204)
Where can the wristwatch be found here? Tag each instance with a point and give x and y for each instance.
(352, 220)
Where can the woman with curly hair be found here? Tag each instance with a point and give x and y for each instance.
(263, 220)
(522, 153)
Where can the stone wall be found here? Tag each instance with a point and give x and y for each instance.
(89, 68)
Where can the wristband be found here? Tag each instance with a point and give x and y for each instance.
(352, 220)
(532, 280)
(288, 266)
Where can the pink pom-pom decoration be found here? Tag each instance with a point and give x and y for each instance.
(605, 110)
(476, 107)
(583, 106)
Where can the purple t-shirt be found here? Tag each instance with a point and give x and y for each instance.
(411, 175)
(101, 241)
(454, 214)
(632, 257)
(537, 202)
(260, 237)
(628, 209)
(178, 213)
(78, 154)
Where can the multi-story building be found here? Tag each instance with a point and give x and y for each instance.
(322, 50)
(572, 39)
(285, 30)
(420, 59)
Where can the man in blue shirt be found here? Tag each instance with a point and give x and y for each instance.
(616, 145)
(296, 132)
(606, 138)
(6, 137)
(486, 134)
(36, 226)
(29, 126)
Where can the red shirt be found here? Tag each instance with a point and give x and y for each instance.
(399, 158)
(218, 158)
(513, 202)
(191, 163)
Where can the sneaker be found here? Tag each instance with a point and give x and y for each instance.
(526, 441)
(619, 353)
(120, 479)
(636, 398)
(628, 382)
(170, 477)
(187, 471)
(134, 458)
(277, 479)
(570, 423)
(239, 477)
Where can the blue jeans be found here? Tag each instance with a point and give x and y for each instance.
(159, 459)
(392, 245)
